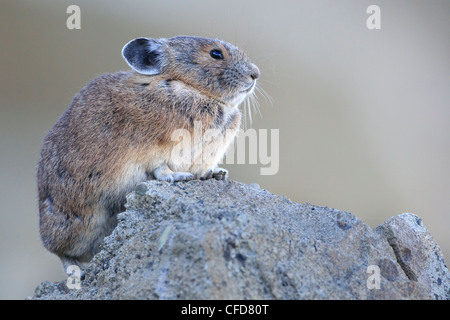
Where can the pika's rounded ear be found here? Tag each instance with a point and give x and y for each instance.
(144, 55)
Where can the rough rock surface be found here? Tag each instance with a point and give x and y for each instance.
(228, 240)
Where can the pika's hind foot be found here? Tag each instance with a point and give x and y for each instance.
(74, 267)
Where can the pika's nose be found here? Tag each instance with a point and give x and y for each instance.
(254, 72)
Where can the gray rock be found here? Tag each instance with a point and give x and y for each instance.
(228, 240)
(417, 253)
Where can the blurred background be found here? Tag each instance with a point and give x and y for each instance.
(363, 115)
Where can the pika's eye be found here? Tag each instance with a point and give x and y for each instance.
(216, 54)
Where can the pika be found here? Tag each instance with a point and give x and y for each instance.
(118, 131)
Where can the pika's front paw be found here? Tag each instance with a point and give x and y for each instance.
(163, 173)
(220, 174)
(182, 176)
(217, 173)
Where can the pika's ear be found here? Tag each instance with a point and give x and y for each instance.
(144, 55)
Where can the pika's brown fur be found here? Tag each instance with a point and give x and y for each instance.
(119, 130)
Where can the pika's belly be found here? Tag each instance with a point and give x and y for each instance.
(193, 153)
(199, 153)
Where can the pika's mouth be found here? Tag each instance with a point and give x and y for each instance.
(238, 96)
(241, 95)
(249, 88)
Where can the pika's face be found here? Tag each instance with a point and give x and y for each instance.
(214, 67)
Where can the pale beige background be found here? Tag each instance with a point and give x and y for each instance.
(363, 115)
